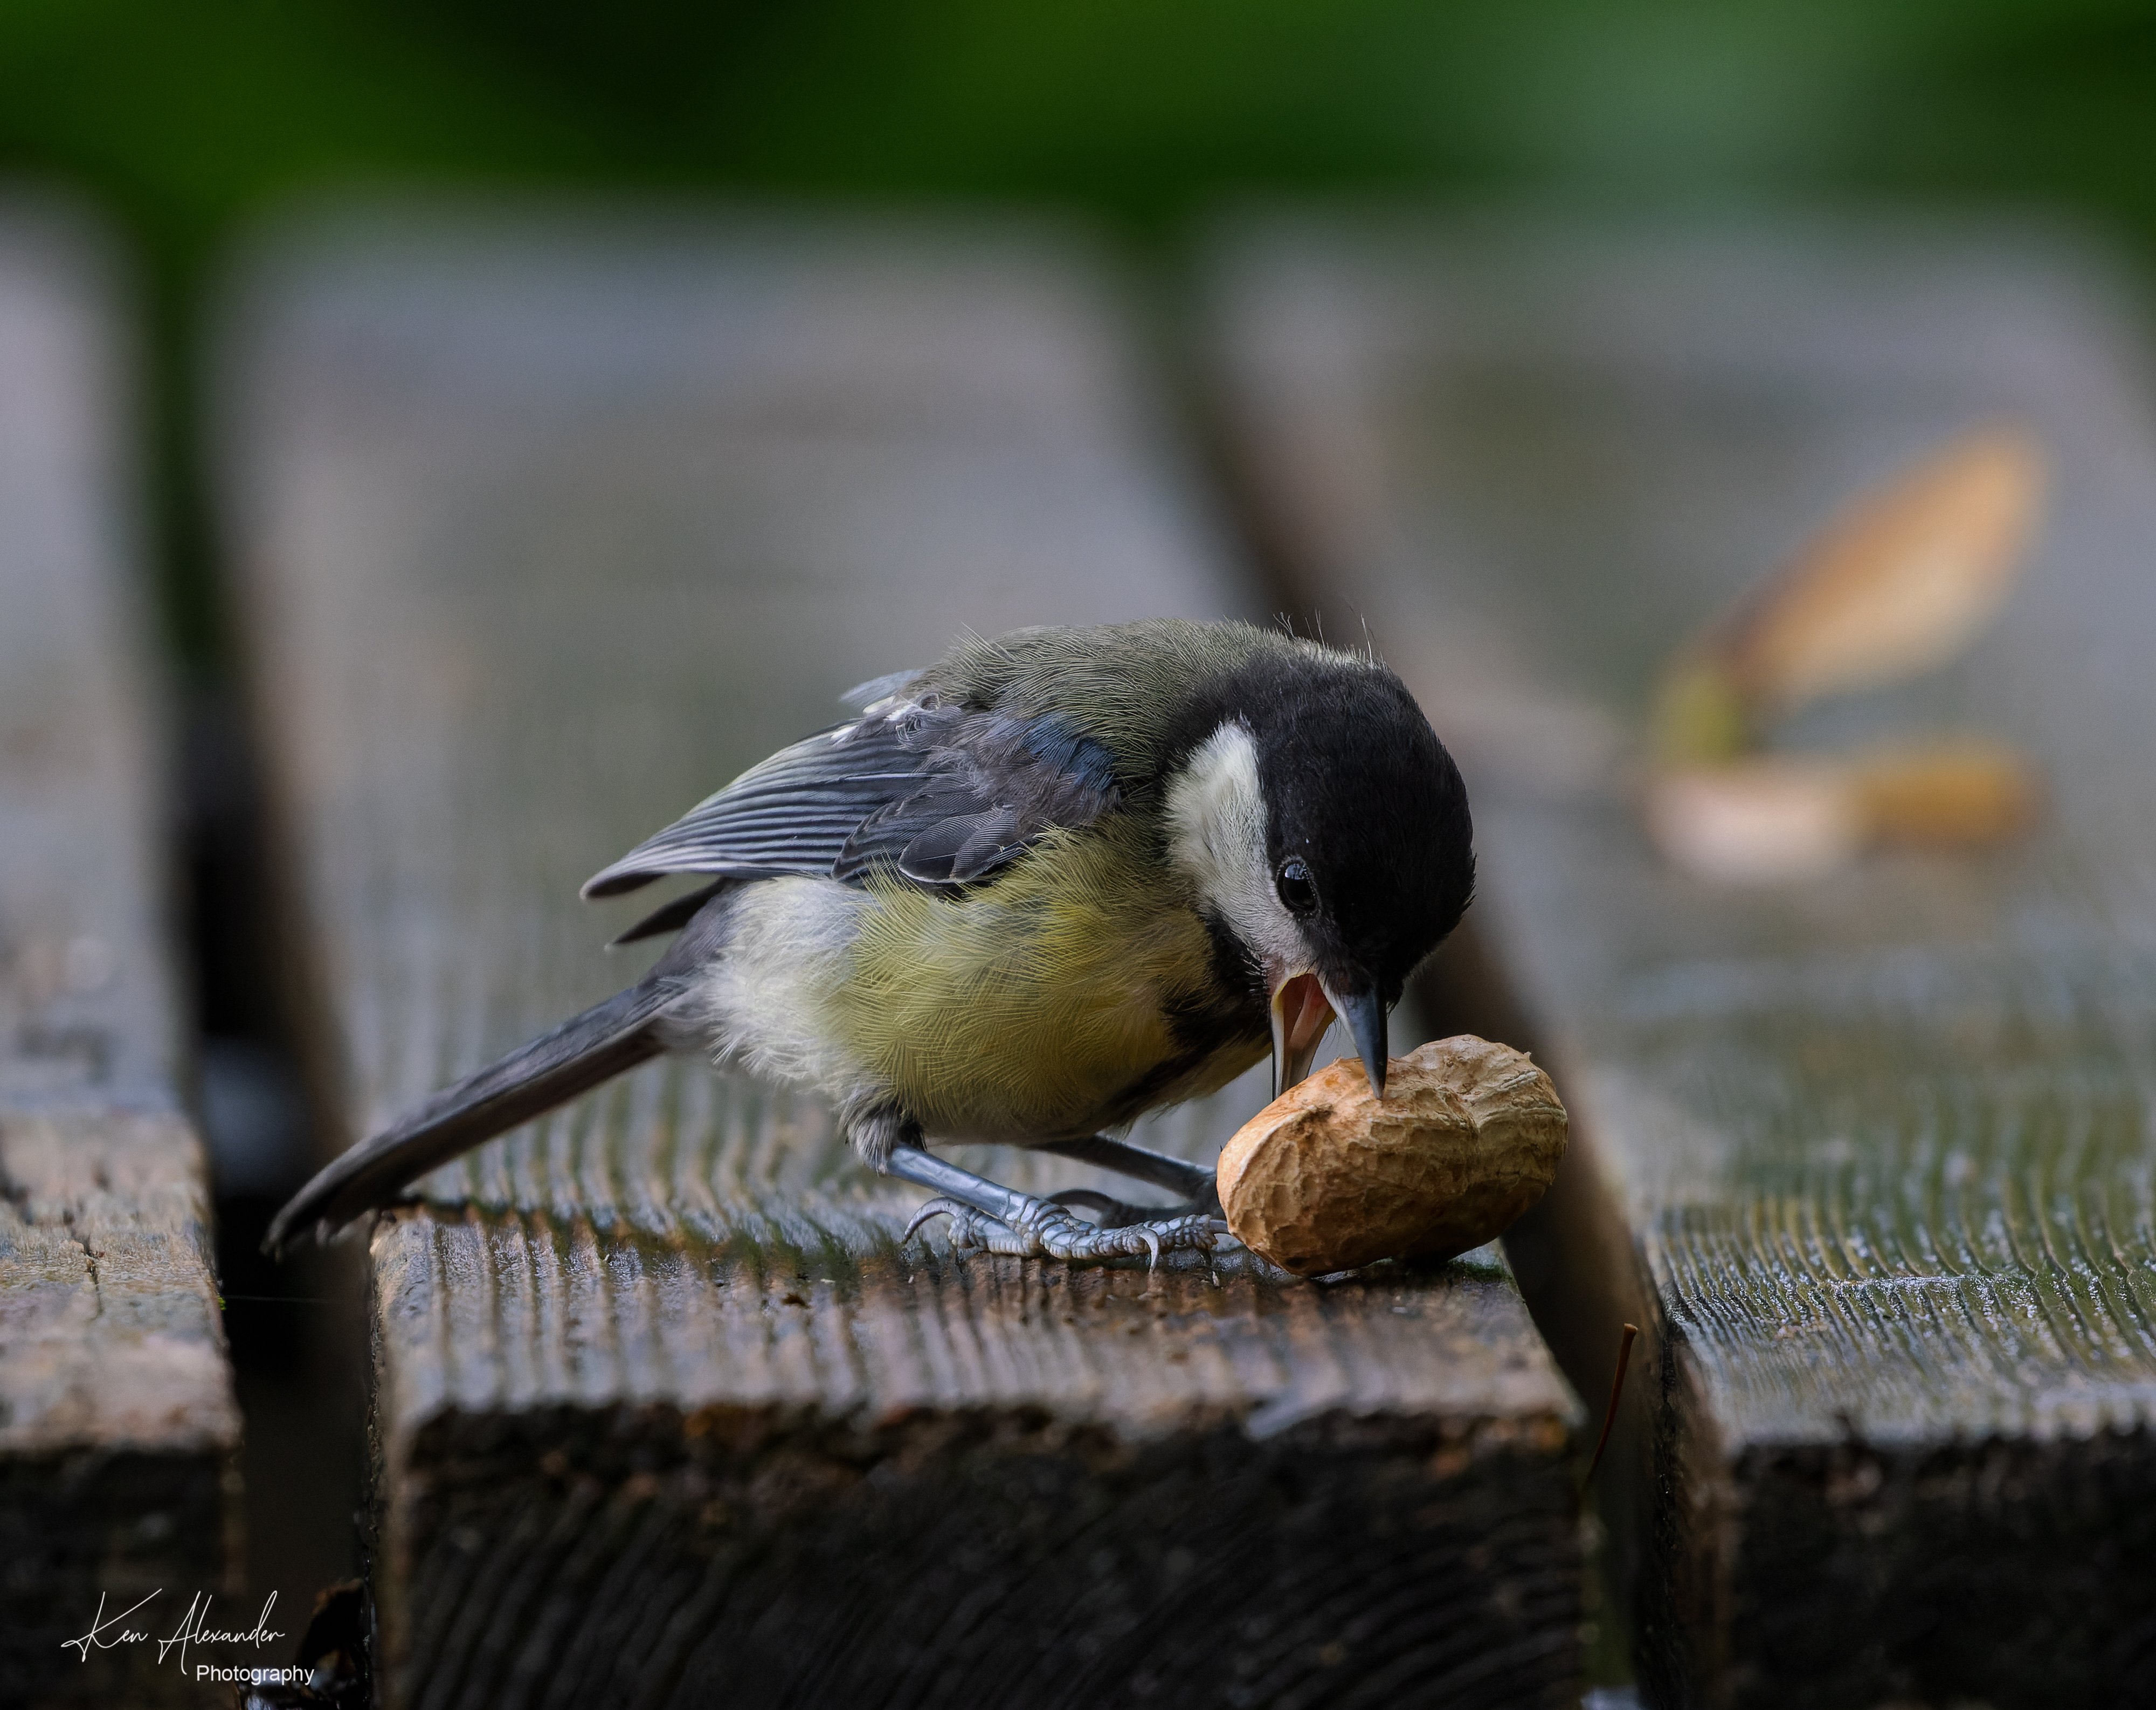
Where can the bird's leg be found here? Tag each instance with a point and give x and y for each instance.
(1193, 1180)
(1174, 1174)
(985, 1214)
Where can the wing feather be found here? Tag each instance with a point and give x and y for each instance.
(934, 793)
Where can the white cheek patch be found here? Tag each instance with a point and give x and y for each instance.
(1216, 817)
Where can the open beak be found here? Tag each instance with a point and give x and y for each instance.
(1302, 1012)
(1364, 1013)
(1303, 1007)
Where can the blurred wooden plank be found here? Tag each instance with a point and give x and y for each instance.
(1879, 1146)
(118, 1428)
(549, 527)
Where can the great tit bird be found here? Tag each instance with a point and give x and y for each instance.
(1049, 883)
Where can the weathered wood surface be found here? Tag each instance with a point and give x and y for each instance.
(118, 1428)
(1881, 1143)
(549, 528)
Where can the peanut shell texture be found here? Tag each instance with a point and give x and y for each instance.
(1329, 1177)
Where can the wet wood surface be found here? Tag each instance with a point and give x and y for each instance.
(1876, 1146)
(548, 526)
(118, 1427)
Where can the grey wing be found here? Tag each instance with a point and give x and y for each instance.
(991, 785)
(934, 793)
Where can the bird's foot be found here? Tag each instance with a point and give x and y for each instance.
(1044, 1229)
(1111, 1213)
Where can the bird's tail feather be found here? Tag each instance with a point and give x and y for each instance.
(573, 1058)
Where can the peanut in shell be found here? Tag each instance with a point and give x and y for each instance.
(1329, 1177)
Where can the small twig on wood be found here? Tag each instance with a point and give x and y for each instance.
(1616, 1391)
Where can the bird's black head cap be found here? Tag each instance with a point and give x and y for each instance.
(1370, 841)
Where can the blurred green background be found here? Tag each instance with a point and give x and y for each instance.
(185, 119)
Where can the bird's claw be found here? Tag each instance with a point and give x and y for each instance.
(961, 1214)
(1045, 1229)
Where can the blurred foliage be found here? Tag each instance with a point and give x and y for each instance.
(187, 114)
(187, 118)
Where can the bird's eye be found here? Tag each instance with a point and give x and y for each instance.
(1297, 889)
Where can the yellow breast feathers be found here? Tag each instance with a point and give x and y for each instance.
(1028, 1008)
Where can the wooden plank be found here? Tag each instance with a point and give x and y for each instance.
(118, 1429)
(1878, 1144)
(550, 526)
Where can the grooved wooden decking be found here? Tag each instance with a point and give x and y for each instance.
(1876, 1149)
(548, 530)
(118, 1428)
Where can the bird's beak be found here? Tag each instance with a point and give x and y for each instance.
(1302, 1012)
(1364, 1013)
